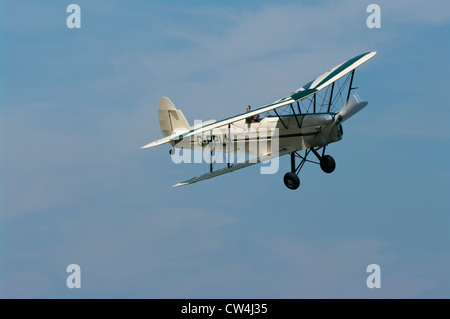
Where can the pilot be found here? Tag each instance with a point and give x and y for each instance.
(249, 119)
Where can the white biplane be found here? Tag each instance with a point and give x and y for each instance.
(307, 120)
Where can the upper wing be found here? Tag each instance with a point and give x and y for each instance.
(335, 73)
(239, 117)
(312, 87)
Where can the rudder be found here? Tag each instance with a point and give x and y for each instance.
(171, 120)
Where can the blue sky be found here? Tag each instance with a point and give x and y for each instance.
(76, 105)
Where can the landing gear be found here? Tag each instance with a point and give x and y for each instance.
(291, 180)
(326, 162)
(172, 151)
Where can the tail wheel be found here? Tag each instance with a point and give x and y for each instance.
(327, 164)
(291, 180)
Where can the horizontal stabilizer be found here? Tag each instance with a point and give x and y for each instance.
(163, 140)
(174, 136)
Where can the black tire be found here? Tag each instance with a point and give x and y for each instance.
(291, 180)
(327, 164)
(172, 151)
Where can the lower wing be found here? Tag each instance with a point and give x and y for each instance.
(234, 167)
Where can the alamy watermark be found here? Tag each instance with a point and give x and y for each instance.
(374, 19)
(230, 145)
(74, 279)
(374, 279)
(74, 18)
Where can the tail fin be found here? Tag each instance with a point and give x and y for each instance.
(171, 120)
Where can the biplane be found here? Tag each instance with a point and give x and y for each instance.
(300, 124)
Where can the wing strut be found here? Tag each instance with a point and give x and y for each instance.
(331, 97)
(211, 153)
(228, 145)
(299, 110)
(314, 109)
(296, 119)
(280, 119)
(350, 86)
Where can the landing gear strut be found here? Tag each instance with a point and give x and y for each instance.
(327, 164)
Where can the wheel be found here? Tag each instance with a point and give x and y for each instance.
(291, 180)
(172, 151)
(327, 164)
